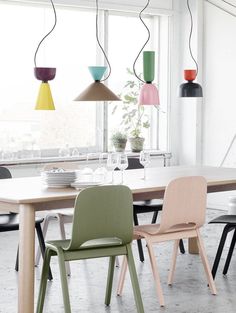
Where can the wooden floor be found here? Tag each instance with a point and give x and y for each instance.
(189, 293)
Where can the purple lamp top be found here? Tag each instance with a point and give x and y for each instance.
(45, 73)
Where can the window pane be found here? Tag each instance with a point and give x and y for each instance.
(126, 37)
(70, 49)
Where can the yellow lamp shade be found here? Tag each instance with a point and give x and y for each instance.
(45, 100)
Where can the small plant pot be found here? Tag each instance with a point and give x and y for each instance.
(119, 145)
(136, 143)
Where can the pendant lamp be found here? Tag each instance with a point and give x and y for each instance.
(190, 88)
(45, 74)
(97, 91)
(149, 94)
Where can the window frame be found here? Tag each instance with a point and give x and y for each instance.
(101, 108)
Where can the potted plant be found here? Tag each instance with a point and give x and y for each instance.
(134, 118)
(119, 140)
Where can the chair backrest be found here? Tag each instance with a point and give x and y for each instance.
(134, 164)
(4, 173)
(102, 212)
(184, 203)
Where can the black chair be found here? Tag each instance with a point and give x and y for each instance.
(230, 221)
(146, 206)
(10, 222)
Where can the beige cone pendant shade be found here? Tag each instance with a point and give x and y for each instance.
(97, 91)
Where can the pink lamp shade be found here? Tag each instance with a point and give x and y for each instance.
(149, 95)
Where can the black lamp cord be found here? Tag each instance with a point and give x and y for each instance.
(103, 51)
(232, 5)
(55, 23)
(219, 7)
(140, 17)
(190, 37)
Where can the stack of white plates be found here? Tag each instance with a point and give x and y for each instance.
(58, 179)
(83, 184)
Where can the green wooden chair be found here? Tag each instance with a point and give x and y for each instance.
(102, 227)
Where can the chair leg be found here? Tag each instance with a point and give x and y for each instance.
(64, 283)
(117, 262)
(63, 237)
(173, 263)
(134, 280)
(42, 246)
(154, 218)
(205, 263)
(45, 228)
(17, 260)
(139, 242)
(230, 253)
(181, 246)
(219, 251)
(122, 276)
(110, 280)
(43, 282)
(155, 273)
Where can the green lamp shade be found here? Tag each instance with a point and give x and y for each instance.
(149, 66)
(45, 100)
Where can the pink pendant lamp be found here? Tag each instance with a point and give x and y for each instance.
(149, 94)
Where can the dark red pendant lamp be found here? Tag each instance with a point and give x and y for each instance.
(190, 89)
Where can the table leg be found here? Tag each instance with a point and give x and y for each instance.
(26, 259)
(192, 246)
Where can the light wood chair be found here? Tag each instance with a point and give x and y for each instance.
(183, 214)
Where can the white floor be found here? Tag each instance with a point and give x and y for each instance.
(189, 294)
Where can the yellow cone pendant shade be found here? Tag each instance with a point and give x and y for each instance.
(45, 100)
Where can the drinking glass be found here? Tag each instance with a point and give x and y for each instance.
(122, 164)
(100, 173)
(112, 162)
(144, 159)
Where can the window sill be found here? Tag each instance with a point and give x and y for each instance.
(155, 153)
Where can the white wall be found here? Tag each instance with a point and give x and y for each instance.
(219, 71)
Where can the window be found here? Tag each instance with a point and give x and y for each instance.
(70, 49)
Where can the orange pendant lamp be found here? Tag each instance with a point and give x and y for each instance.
(190, 89)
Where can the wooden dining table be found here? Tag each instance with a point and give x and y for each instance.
(28, 195)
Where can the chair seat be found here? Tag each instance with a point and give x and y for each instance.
(153, 229)
(67, 212)
(224, 219)
(149, 203)
(10, 222)
(91, 244)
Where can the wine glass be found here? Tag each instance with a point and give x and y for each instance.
(112, 162)
(144, 159)
(101, 172)
(122, 164)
